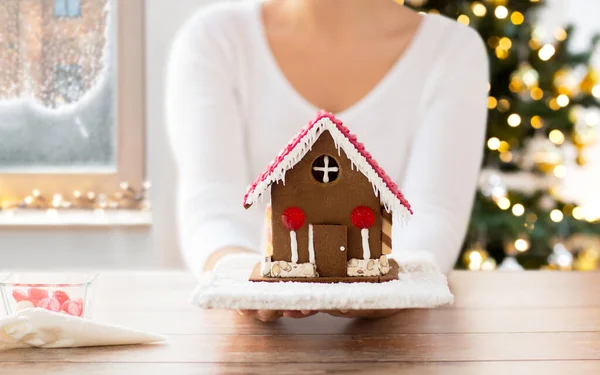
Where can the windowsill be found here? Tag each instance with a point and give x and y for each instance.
(78, 218)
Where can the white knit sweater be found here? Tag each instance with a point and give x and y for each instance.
(230, 110)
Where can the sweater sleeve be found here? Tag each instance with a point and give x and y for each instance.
(446, 154)
(206, 132)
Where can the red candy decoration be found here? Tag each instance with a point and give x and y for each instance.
(61, 296)
(49, 304)
(293, 218)
(362, 217)
(73, 307)
(37, 294)
(19, 295)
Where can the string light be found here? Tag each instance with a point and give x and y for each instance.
(464, 19)
(493, 143)
(546, 52)
(518, 209)
(557, 137)
(126, 198)
(596, 91)
(514, 120)
(592, 119)
(503, 203)
(517, 18)
(556, 216)
(535, 43)
(503, 105)
(560, 34)
(505, 43)
(522, 245)
(492, 102)
(479, 9)
(504, 146)
(536, 93)
(506, 157)
(553, 104)
(56, 200)
(578, 213)
(537, 122)
(501, 53)
(562, 100)
(501, 12)
(560, 171)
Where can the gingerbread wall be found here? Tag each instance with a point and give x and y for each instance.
(330, 203)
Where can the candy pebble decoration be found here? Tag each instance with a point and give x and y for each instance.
(20, 295)
(363, 218)
(293, 219)
(73, 307)
(49, 304)
(36, 295)
(61, 296)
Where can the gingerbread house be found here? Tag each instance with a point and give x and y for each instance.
(331, 211)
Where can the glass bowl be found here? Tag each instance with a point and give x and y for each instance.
(67, 293)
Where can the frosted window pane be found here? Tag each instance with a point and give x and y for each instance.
(57, 85)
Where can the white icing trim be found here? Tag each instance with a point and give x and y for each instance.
(364, 233)
(388, 199)
(311, 244)
(294, 246)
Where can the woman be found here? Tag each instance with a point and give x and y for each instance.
(245, 77)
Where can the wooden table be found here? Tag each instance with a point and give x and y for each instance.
(501, 323)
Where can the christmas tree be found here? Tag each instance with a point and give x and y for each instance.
(543, 113)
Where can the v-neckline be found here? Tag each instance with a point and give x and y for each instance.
(364, 101)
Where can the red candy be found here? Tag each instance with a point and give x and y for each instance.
(49, 304)
(19, 295)
(362, 217)
(293, 218)
(36, 295)
(73, 307)
(61, 296)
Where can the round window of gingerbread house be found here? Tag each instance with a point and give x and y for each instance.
(325, 169)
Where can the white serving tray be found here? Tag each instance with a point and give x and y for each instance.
(420, 285)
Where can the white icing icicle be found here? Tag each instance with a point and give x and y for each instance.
(364, 233)
(294, 245)
(357, 160)
(311, 244)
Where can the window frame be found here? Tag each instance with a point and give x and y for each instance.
(66, 9)
(130, 115)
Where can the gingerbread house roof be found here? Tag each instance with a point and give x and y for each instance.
(383, 186)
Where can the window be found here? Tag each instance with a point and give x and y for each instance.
(71, 97)
(325, 169)
(67, 8)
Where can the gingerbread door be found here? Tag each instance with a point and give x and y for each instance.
(331, 249)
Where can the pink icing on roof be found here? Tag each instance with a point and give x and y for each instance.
(390, 184)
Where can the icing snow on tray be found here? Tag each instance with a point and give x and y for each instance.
(420, 285)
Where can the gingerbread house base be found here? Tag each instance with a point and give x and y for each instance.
(391, 275)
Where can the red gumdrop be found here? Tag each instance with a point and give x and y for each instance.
(362, 217)
(19, 295)
(293, 218)
(49, 304)
(37, 294)
(61, 296)
(73, 307)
